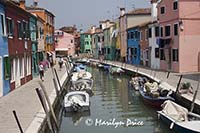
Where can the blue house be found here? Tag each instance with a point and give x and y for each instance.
(4, 59)
(133, 46)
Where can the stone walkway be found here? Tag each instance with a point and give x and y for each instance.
(26, 103)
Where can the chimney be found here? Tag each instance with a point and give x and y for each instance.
(22, 4)
(154, 11)
(35, 3)
(122, 11)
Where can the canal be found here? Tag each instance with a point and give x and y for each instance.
(115, 108)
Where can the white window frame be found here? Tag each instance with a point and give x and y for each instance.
(164, 10)
(4, 21)
(173, 5)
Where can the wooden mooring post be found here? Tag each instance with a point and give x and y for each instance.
(168, 73)
(49, 104)
(55, 84)
(58, 80)
(178, 85)
(18, 123)
(44, 105)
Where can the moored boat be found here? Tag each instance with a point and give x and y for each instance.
(76, 101)
(179, 119)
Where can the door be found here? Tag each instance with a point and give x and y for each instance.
(1, 76)
(170, 59)
(17, 73)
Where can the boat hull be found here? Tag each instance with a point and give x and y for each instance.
(176, 127)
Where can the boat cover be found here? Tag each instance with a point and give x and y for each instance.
(175, 111)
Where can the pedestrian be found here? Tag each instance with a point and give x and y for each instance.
(60, 62)
(41, 71)
(51, 61)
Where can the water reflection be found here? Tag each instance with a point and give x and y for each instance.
(114, 99)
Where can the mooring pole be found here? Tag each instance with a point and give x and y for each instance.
(44, 105)
(179, 82)
(67, 69)
(49, 104)
(168, 73)
(58, 79)
(17, 120)
(54, 82)
(195, 95)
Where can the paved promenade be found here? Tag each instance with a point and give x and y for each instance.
(26, 103)
(162, 76)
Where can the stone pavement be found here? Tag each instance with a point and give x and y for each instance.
(162, 76)
(26, 103)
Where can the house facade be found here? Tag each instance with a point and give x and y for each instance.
(179, 37)
(48, 25)
(65, 44)
(129, 20)
(4, 58)
(133, 45)
(86, 42)
(19, 44)
(145, 34)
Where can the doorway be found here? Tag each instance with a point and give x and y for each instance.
(17, 73)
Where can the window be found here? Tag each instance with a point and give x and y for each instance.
(7, 68)
(10, 29)
(175, 29)
(134, 52)
(26, 33)
(99, 39)
(161, 31)
(132, 35)
(72, 41)
(175, 5)
(3, 24)
(157, 53)
(150, 32)
(175, 55)
(108, 52)
(162, 10)
(157, 31)
(167, 30)
(20, 29)
(146, 35)
(162, 54)
(103, 38)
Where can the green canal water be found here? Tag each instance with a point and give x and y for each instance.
(115, 108)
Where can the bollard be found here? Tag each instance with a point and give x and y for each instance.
(17, 120)
(44, 105)
(49, 103)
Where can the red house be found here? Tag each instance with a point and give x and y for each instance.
(19, 44)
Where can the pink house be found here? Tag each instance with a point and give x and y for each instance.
(179, 35)
(64, 43)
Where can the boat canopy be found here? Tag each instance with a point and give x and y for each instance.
(175, 111)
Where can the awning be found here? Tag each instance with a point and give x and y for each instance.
(62, 49)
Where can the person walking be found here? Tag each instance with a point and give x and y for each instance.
(60, 62)
(41, 71)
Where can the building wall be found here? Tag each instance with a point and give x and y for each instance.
(155, 61)
(65, 42)
(135, 20)
(123, 37)
(87, 43)
(4, 80)
(19, 49)
(40, 33)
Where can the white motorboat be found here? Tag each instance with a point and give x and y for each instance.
(179, 118)
(81, 75)
(83, 85)
(77, 101)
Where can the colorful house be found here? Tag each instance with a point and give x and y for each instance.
(65, 44)
(128, 20)
(97, 42)
(145, 34)
(33, 37)
(48, 25)
(133, 47)
(4, 59)
(179, 37)
(19, 44)
(86, 42)
(40, 37)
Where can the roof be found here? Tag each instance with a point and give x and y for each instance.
(140, 11)
(33, 8)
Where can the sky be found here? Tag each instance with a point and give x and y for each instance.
(85, 13)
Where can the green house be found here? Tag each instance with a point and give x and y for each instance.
(86, 42)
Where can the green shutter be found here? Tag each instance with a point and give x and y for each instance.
(7, 68)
